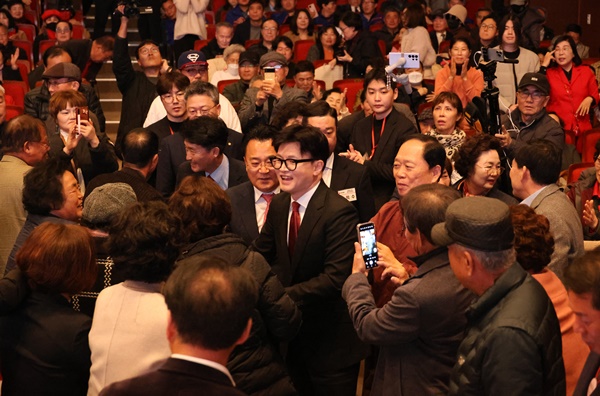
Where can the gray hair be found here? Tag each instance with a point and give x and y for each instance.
(493, 262)
(232, 49)
(203, 88)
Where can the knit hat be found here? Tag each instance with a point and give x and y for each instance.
(458, 11)
(63, 70)
(107, 201)
(191, 58)
(480, 223)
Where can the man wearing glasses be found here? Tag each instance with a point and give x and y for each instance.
(308, 240)
(261, 105)
(530, 120)
(137, 87)
(171, 91)
(534, 172)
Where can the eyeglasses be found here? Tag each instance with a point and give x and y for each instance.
(290, 163)
(168, 98)
(192, 71)
(260, 164)
(56, 83)
(44, 144)
(148, 50)
(535, 95)
(247, 66)
(498, 170)
(270, 29)
(486, 27)
(200, 112)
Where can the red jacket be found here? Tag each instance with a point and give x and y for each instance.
(565, 96)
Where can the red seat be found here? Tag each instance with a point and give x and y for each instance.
(382, 47)
(545, 44)
(250, 43)
(26, 46)
(320, 62)
(78, 15)
(576, 169)
(353, 85)
(284, 29)
(24, 70)
(199, 44)
(301, 48)
(590, 61)
(16, 89)
(223, 83)
(44, 45)
(588, 144)
(28, 29)
(211, 31)
(210, 17)
(78, 32)
(31, 16)
(12, 111)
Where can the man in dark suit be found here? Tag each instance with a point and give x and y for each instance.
(375, 140)
(582, 279)
(308, 240)
(171, 88)
(139, 148)
(201, 99)
(250, 201)
(349, 179)
(204, 139)
(90, 55)
(210, 305)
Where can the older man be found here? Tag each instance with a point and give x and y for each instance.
(222, 39)
(529, 120)
(513, 343)
(419, 330)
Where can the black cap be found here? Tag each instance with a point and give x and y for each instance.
(251, 57)
(538, 80)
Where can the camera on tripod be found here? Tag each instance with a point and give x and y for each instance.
(133, 9)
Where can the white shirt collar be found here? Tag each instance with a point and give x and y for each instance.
(305, 199)
(209, 363)
(221, 174)
(529, 200)
(258, 193)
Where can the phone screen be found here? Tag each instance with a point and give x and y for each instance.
(368, 244)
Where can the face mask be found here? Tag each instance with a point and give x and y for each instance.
(453, 23)
(415, 78)
(517, 9)
(233, 69)
(51, 26)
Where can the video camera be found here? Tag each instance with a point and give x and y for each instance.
(133, 9)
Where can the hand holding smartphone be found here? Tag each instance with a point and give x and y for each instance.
(83, 113)
(368, 244)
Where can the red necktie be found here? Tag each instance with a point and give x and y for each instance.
(268, 198)
(294, 227)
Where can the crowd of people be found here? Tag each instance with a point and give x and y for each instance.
(212, 248)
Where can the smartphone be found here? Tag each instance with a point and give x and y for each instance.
(83, 113)
(368, 243)
(459, 70)
(269, 73)
(411, 60)
(312, 10)
(493, 55)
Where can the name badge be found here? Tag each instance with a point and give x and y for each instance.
(349, 194)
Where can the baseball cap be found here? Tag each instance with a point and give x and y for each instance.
(538, 80)
(251, 57)
(191, 58)
(480, 223)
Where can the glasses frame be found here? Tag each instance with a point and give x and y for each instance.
(169, 97)
(498, 170)
(201, 112)
(535, 96)
(290, 163)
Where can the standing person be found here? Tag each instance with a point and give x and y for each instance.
(90, 55)
(360, 46)
(44, 344)
(573, 88)
(375, 140)
(488, 32)
(440, 32)
(532, 23)
(416, 38)
(24, 144)
(508, 74)
(458, 77)
(313, 263)
(190, 24)
(171, 88)
(137, 87)
(522, 342)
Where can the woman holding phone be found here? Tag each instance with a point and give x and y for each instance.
(90, 151)
(458, 77)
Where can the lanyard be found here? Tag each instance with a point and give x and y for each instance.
(373, 144)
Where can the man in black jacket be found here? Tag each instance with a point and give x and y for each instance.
(510, 347)
(216, 46)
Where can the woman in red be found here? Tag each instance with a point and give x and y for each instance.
(573, 88)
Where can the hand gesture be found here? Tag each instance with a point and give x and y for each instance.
(72, 140)
(13, 59)
(358, 264)
(88, 132)
(549, 57)
(272, 88)
(452, 69)
(504, 137)
(261, 97)
(238, 21)
(393, 268)
(164, 66)
(353, 155)
(345, 58)
(589, 218)
(316, 90)
(584, 106)
(121, 9)
(332, 64)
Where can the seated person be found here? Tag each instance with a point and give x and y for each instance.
(327, 43)
(17, 11)
(10, 69)
(251, 27)
(268, 35)
(222, 39)
(50, 21)
(391, 27)
(370, 16)
(328, 15)
(440, 32)
(359, 48)
(13, 30)
(304, 78)
(248, 70)
(232, 57)
(301, 27)
(574, 30)
(337, 100)
(284, 16)
(447, 115)
(285, 46)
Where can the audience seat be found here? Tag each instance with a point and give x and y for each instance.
(320, 62)
(78, 32)
(353, 85)
(209, 16)
(283, 29)
(590, 61)
(250, 43)
(576, 169)
(211, 31)
(44, 45)
(382, 47)
(588, 144)
(301, 48)
(223, 83)
(545, 44)
(199, 44)
(28, 29)
(78, 15)
(23, 69)
(303, 4)
(16, 89)
(32, 16)
(12, 111)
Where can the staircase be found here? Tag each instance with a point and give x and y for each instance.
(106, 88)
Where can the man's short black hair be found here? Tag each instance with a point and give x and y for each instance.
(543, 159)
(282, 39)
(575, 28)
(53, 52)
(207, 132)
(352, 19)
(288, 111)
(311, 141)
(261, 133)
(210, 301)
(304, 66)
(320, 108)
(377, 74)
(433, 151)
(139, 146)
(166, 81)
(582, 277)
(42, 187)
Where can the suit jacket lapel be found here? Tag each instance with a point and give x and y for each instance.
(248, 214)
(312, 215)
(281, 211)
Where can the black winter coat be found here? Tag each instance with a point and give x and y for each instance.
(256, 366)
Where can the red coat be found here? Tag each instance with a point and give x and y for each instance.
(565, 96)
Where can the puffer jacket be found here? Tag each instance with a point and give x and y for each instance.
(513, 344)
(256, 366)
